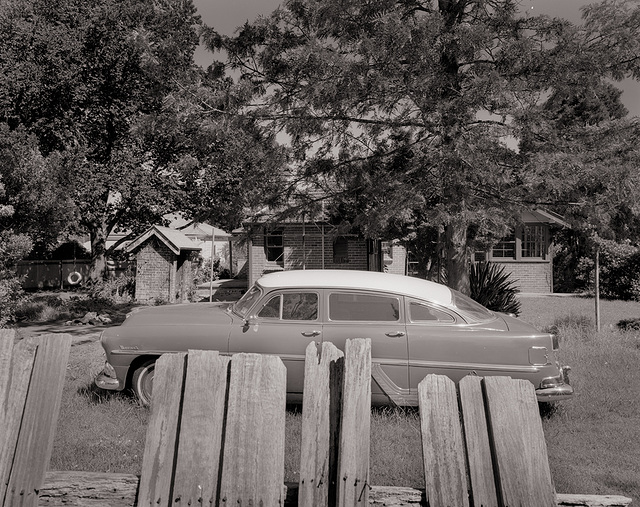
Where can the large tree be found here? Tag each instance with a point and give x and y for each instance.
(110, 92)
(407, 113)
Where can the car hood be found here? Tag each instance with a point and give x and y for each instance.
(179, 315)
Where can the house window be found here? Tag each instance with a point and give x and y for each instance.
(274, 246)
(505, 248)
(341, 250)
(533, 241)
(528, 242)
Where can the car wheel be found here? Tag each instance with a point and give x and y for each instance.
(142, 381)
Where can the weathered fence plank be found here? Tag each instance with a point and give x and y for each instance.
(16, 364)
(253, 454)
(162, 431)
(201, 429)
(355, 424)
(320, 425)
(483, 487)
(88, 489)
(442, 443)
(31, 395)
(522, 471)
(92, 489)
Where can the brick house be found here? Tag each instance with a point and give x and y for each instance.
(526, 253)
(312, 245)
(164, 264)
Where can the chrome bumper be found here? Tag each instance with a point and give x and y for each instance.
(108, 380)
(560, 391)
(557, 393)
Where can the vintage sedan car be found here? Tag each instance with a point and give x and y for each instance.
(416, 327)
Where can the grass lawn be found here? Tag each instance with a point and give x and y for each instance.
(592, 440)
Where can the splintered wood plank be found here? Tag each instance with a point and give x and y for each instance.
(201, 427)
(483, 487)
(39, 415)
(160, 444)
(353, 459)
(320, 421)
(442, 443)
(16, 364)
(253, 448)
(521, 461)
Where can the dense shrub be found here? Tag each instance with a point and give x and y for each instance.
(12, 248)
(492, 287)
(629, 325)
(11, 294)
(204, 272)
(619, 271)
(116, 290)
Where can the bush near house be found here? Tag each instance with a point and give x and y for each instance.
(491, 286)
(12, 248)
(619, 271)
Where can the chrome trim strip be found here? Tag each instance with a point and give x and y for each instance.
(474, 366)
(398, 395)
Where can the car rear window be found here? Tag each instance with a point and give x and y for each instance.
(470, 308)
(424, 313)
(347, 306)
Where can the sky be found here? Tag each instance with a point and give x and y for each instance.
(226, 15)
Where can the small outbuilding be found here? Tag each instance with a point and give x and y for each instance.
(165, 260)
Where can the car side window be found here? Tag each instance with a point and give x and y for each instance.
(291, 306)
(299, 306)
(271, 310)
(347, 306)
(424, 313)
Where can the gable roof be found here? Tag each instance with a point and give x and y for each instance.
(175, 240)
(198, 230)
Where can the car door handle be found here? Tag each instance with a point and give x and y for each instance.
(310, 333)
(395, 334)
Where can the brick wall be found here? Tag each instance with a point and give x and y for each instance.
(305, 252)
(396, 264)
(155, 277)
(530, 276)
(184, 275)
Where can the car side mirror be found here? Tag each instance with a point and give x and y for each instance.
(250, 321)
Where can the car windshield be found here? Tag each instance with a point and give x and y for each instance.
(470, 308)
(244, 304)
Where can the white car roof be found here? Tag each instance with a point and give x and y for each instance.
(351, 279)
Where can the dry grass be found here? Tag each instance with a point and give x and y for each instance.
(592, 440)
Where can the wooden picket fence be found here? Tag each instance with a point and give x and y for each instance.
(216, 436)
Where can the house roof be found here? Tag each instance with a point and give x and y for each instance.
(175, 240)
(547, 217)
(198, 230)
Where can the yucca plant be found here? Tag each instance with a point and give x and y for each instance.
(492, 287)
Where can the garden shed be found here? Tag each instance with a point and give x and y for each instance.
(165, 260)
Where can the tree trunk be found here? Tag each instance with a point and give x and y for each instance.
(98, 250)
(457, 255)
